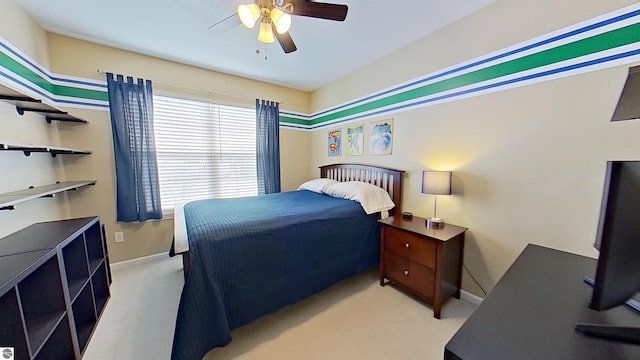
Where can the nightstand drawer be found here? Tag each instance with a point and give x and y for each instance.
(410, 246)
(416, 277)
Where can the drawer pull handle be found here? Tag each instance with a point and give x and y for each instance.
(406, 272)
(406, 245)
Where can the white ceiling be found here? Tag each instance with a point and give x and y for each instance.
(178, 30)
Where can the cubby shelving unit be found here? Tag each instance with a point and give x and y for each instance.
(8, 201)
(54, 284)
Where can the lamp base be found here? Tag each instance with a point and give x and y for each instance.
(434, 223)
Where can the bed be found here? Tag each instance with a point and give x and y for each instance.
(249, 257)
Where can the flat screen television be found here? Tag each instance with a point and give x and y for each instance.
(618, 240)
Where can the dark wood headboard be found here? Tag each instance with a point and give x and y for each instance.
(388, 179)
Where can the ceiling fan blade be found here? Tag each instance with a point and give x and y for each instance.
(227, 23)
(285, 41)
(326, 11)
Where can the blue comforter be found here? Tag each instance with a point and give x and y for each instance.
(252, 256)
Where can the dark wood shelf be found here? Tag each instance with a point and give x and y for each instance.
(42, 327)
(25, 103)
(75, 286)
(9, 200)
(93, 265)
(27, 149)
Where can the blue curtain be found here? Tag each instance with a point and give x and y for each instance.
(134, 147)
(268, 146)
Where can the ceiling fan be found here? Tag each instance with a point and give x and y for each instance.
(275, 17)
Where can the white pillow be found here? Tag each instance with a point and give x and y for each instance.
(372, 198)
(316, 185)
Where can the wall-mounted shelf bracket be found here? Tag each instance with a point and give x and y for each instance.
(28, 104)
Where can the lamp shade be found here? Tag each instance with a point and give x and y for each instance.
(266, 33)
(628, 107)
(436, 182)
(281, 20)
(248, 14)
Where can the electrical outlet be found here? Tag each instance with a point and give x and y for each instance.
(119, 236)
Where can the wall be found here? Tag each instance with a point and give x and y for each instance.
(528, 163)
(18, 171)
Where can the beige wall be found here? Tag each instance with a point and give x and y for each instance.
(19, 29)
(18, 171)
(528, 163)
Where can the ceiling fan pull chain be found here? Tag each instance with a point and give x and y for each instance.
(265, 51)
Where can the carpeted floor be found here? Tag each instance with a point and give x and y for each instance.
(356, 319)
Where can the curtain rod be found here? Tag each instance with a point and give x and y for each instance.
(100, 71)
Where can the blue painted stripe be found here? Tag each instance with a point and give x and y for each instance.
(45, 74)
(45, 95)
(490, 86)
(24, 84)
(493, 58)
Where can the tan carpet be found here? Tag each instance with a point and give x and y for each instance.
(356, 319)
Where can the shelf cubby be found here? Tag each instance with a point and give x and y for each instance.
(59, 345)
(12, 331)
(100, 285)
(75, 265)
(84, 316)
(94, 242)
(42, 313)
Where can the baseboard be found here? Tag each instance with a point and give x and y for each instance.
(138, 261)
(464, 295)
(469, 297)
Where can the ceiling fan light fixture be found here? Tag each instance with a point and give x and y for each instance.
(248, 14)
(266, 33)
(281, 20)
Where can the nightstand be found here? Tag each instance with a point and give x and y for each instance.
(425, 262)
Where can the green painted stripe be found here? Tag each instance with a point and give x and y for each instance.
(62, 90)
(605, 41)
(23, 72)
(31, 77)
(609, 40)
(290, 120)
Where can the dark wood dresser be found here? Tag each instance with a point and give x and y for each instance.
(425, 262)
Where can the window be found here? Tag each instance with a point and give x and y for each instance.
(204, 150)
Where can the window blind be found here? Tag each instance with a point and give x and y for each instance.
(204, 150)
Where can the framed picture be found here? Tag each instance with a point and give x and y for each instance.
(355, 140)
(381, 137)
(334, 143)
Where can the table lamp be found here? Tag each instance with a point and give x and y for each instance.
(436, 183)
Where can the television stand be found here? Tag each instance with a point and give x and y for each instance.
(632, 303)
(617, 333)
